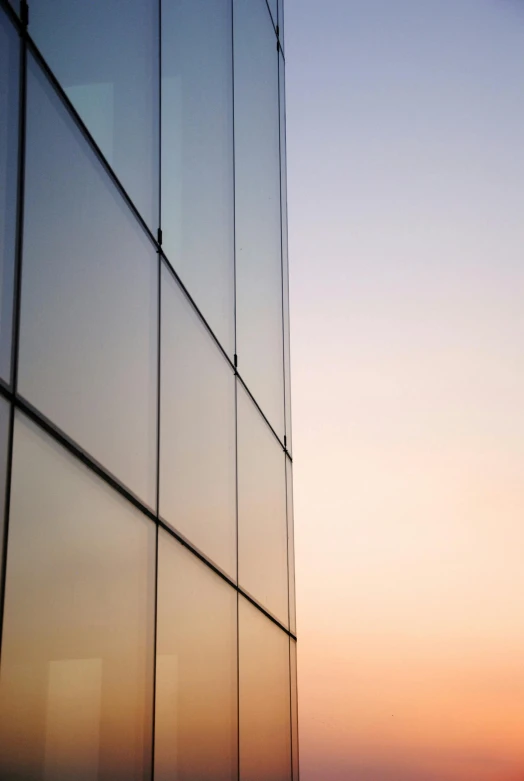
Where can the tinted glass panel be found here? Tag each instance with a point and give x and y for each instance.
(4, 437)
(197, 155)
(196, 677)
(88, 340)
(265, 751)
(294, 710)
(291, 546)
(77, 655)
(285, 263)
(9, 68)
(281, 20)
(105, 56)
(257, 204)
(197, 439)
(262, 534)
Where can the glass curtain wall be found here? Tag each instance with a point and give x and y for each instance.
(147, 608)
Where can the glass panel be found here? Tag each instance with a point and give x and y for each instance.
(294, 710)
(262, 533)
(197, 441)
(9, 77)
(291, 547)
(273, 8)
(197, 155)
(265, 734)
(257, 204)
(281, 21)
(4, 440)
(88, 338)
(196, 678)
(77, 654)
(105, 56)
(285, 262)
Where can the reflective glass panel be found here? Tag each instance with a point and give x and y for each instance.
(88, 334)
(257, 205)
(262, 533)
(273, 8)
(294, 709)
(264, 691)
(197, 155)
(281, 21)
(9, 71)
(285, 256)
(4, 438)
(196, 677)
(77, 654)
(197, 438)
(105, 56)
(291, 546)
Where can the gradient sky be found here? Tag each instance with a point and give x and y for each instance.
(406, 224)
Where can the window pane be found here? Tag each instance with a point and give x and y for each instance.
(196, 676)
(262, 533)
(257, 204)
(197, 439)
(197, 155)
(273, 8)
(294, 710)
(265, 751)
(281, 20)
(4, 439)
(9, 71)
(105, 56)
(285, 262)
(77, 654)
(88, 340)
(291, 546)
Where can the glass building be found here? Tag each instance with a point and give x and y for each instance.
(147, 561)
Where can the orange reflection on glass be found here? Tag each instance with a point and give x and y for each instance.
(76, 676)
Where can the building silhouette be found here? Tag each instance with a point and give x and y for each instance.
(147, 560)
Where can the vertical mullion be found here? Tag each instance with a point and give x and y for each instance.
(158, 389)
(22, 117)
(235, 361)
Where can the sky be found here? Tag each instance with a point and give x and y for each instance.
(405, 138)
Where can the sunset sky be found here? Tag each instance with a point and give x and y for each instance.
(406, 224)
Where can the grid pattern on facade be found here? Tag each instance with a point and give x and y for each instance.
(147, 556)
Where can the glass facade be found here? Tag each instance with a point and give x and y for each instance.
(147, 607)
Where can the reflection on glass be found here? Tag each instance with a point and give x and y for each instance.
(197, 438)
(257, 209)
(262, 533)
(196, 676)
(264, 691)
(4, 438)
(105, 56)
(9, 72)
(285, 256)
(197, 155)
(77, 654)
(281, 21)
(294, 710)
(88, 329)
(291, 546)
